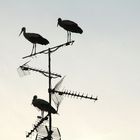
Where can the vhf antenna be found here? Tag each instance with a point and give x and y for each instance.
(25, 67)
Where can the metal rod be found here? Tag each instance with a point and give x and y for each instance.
(26, 68)
(74, 94)
(50, 117)
(36, 126)
(47, 50)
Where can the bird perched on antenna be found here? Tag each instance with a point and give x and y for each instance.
(43, 106)
(69, 26)
(34, 38)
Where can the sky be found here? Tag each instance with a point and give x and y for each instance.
(104, 61)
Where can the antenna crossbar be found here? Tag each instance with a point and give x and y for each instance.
(53, 49)
(74, 94)
(27, 68)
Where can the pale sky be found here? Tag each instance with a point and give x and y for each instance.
(103, 61)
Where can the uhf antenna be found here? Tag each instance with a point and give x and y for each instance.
(74, 94)
(57, 95)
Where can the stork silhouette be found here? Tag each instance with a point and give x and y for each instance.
(43, 106)
(69, 26)
(34, 38)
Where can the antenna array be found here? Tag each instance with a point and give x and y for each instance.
(25, 68)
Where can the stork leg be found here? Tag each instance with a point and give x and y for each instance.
(70, 36)
(33, 49)
(42, 114)
(67, 36)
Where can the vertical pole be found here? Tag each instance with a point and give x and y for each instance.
(50, 117)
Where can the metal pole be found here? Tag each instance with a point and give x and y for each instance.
(50, 117)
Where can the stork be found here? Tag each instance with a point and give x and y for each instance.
(34, 38)
(43, 106)
(69, 26)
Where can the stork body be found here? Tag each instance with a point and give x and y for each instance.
(69, 26)
(34, 38)
(43, 105)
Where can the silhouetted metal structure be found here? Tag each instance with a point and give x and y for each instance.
(74, 94)
(53, 49)
(50, 75)
(25, 69)
(55, 95)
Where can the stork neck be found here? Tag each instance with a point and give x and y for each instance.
(24, 32)
(60, 21)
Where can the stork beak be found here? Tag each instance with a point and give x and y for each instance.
(21, 32)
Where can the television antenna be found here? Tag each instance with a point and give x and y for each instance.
(54, 94)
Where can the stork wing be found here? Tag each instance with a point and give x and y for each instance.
(42, 102)
(33, 35)
(69, 22)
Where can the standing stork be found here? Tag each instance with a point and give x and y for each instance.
(43, 106)
(34, 38)
(69, 26)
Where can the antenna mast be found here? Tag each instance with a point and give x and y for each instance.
(52, 91)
